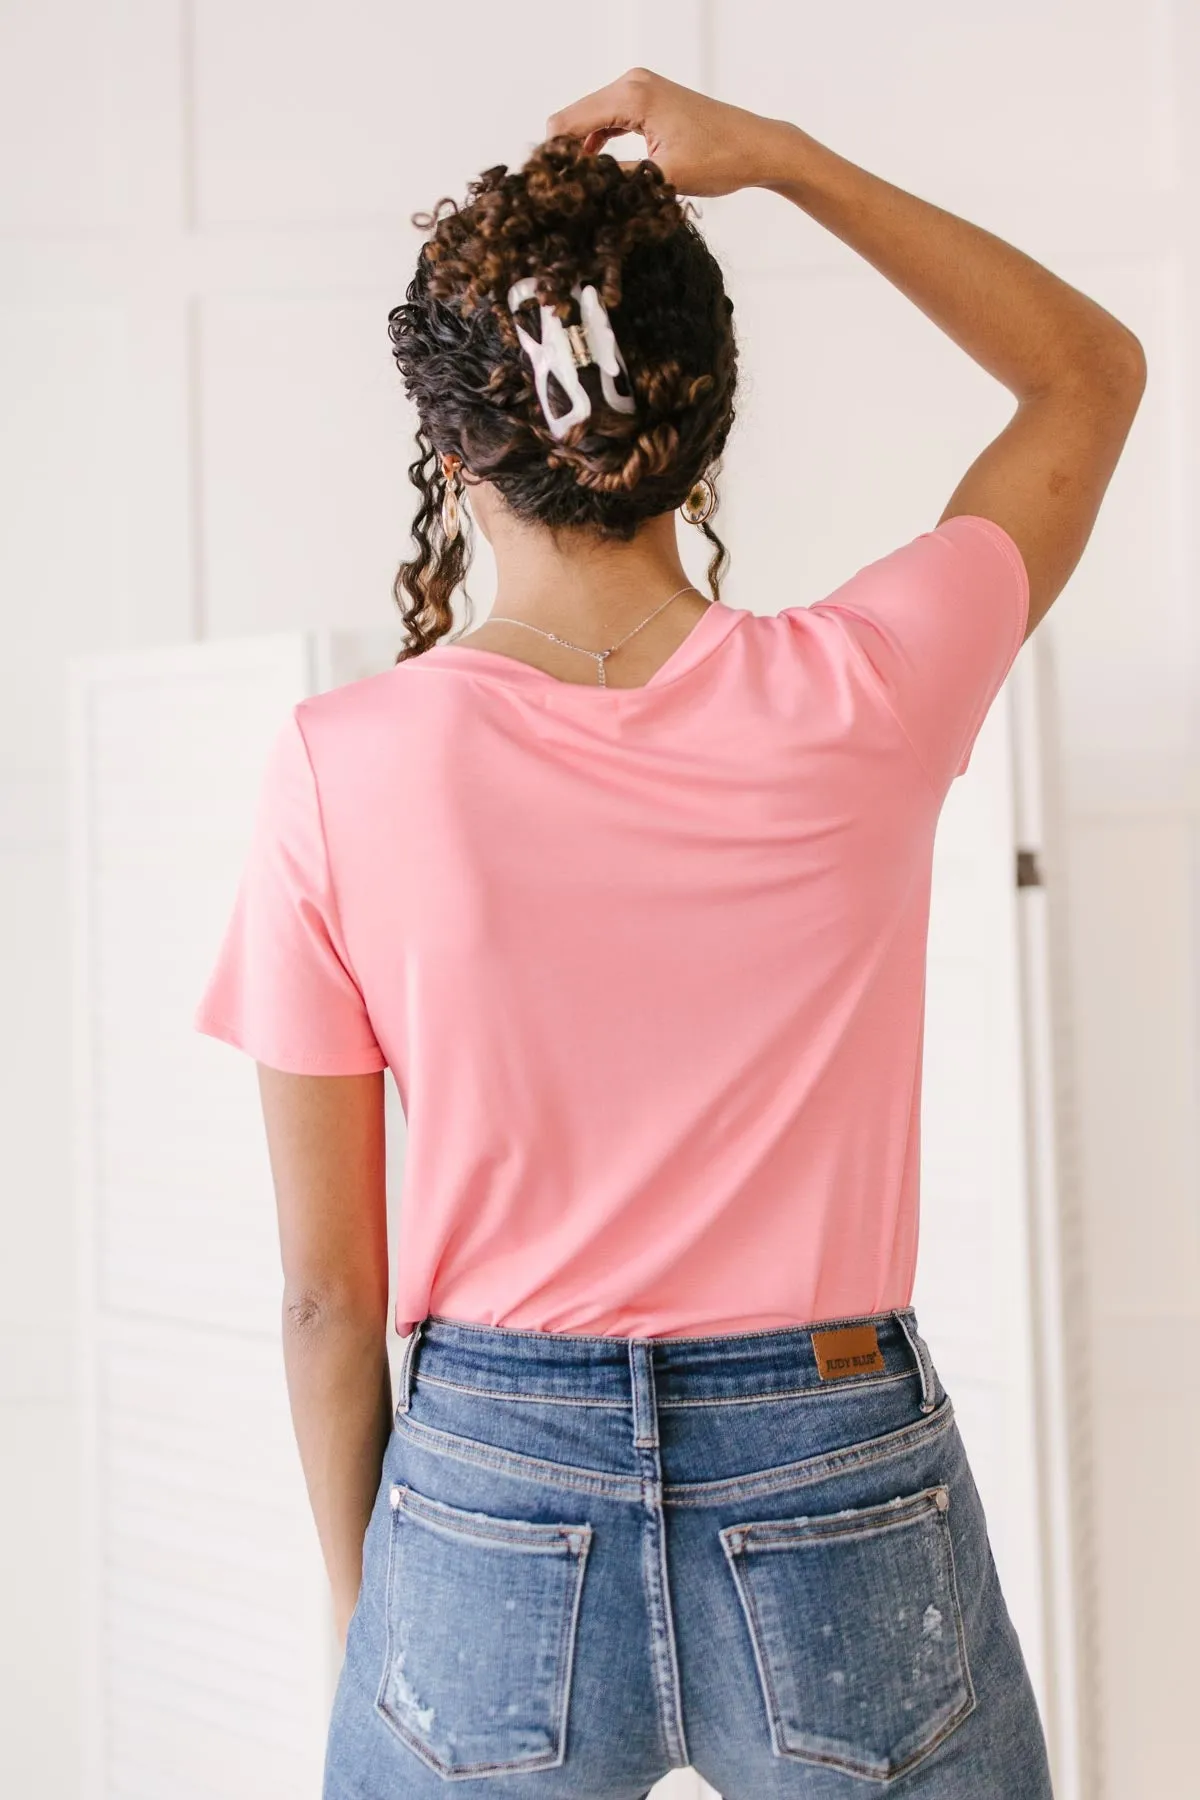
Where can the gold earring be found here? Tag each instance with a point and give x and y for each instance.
(701, 501)
(451, 512)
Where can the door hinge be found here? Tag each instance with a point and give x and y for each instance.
(1029, 873)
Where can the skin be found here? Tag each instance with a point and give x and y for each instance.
(1077, 375)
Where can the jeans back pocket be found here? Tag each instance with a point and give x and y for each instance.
(481, 1618)
(857, 1631)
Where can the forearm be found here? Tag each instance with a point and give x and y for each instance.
(339, 1387)
(1019, 321)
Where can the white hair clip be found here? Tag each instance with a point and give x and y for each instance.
(564, 348)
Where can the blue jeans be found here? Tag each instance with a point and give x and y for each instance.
(595, 1559)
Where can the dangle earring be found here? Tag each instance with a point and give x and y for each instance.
(451, 510)
(701, 501)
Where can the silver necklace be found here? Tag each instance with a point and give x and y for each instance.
(600, 656)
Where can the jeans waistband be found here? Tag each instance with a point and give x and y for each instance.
(502, 1362)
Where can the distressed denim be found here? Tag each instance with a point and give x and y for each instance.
(595, 1559)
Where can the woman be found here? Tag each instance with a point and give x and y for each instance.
(630, 889)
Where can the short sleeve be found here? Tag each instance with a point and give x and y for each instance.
(939, 623)
(282, 988)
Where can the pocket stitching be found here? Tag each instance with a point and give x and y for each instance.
(885, 1515)
(561, 1691)
(757, 1638)
(735, 1549)
(536, 1536)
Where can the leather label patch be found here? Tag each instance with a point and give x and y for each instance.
(848, 1350)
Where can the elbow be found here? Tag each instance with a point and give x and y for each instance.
(1131, 362)
(1116, 367)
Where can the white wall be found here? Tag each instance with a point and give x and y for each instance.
(203, 223)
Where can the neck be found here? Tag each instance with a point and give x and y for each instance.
(582, 585)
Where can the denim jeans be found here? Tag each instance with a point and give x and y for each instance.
(595, 1559)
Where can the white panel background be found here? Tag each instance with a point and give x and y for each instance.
(178, 174)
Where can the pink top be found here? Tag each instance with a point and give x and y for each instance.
(648, 964)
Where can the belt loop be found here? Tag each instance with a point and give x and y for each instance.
(645, 1409)
(920, 1350)
(407, 1365)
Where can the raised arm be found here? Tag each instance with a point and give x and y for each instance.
(1078, 373)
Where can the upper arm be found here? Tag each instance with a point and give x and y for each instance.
(283, 989)
(1044, 477)
(326, 1140)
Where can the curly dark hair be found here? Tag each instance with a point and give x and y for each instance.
(565, 217)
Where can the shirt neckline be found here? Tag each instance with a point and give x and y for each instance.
(710, 629)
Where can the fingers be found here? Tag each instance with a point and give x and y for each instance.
(611, 110)
(596, 140)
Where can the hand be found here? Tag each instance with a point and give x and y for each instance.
(702, 146)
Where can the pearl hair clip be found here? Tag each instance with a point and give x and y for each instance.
(565, 348)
